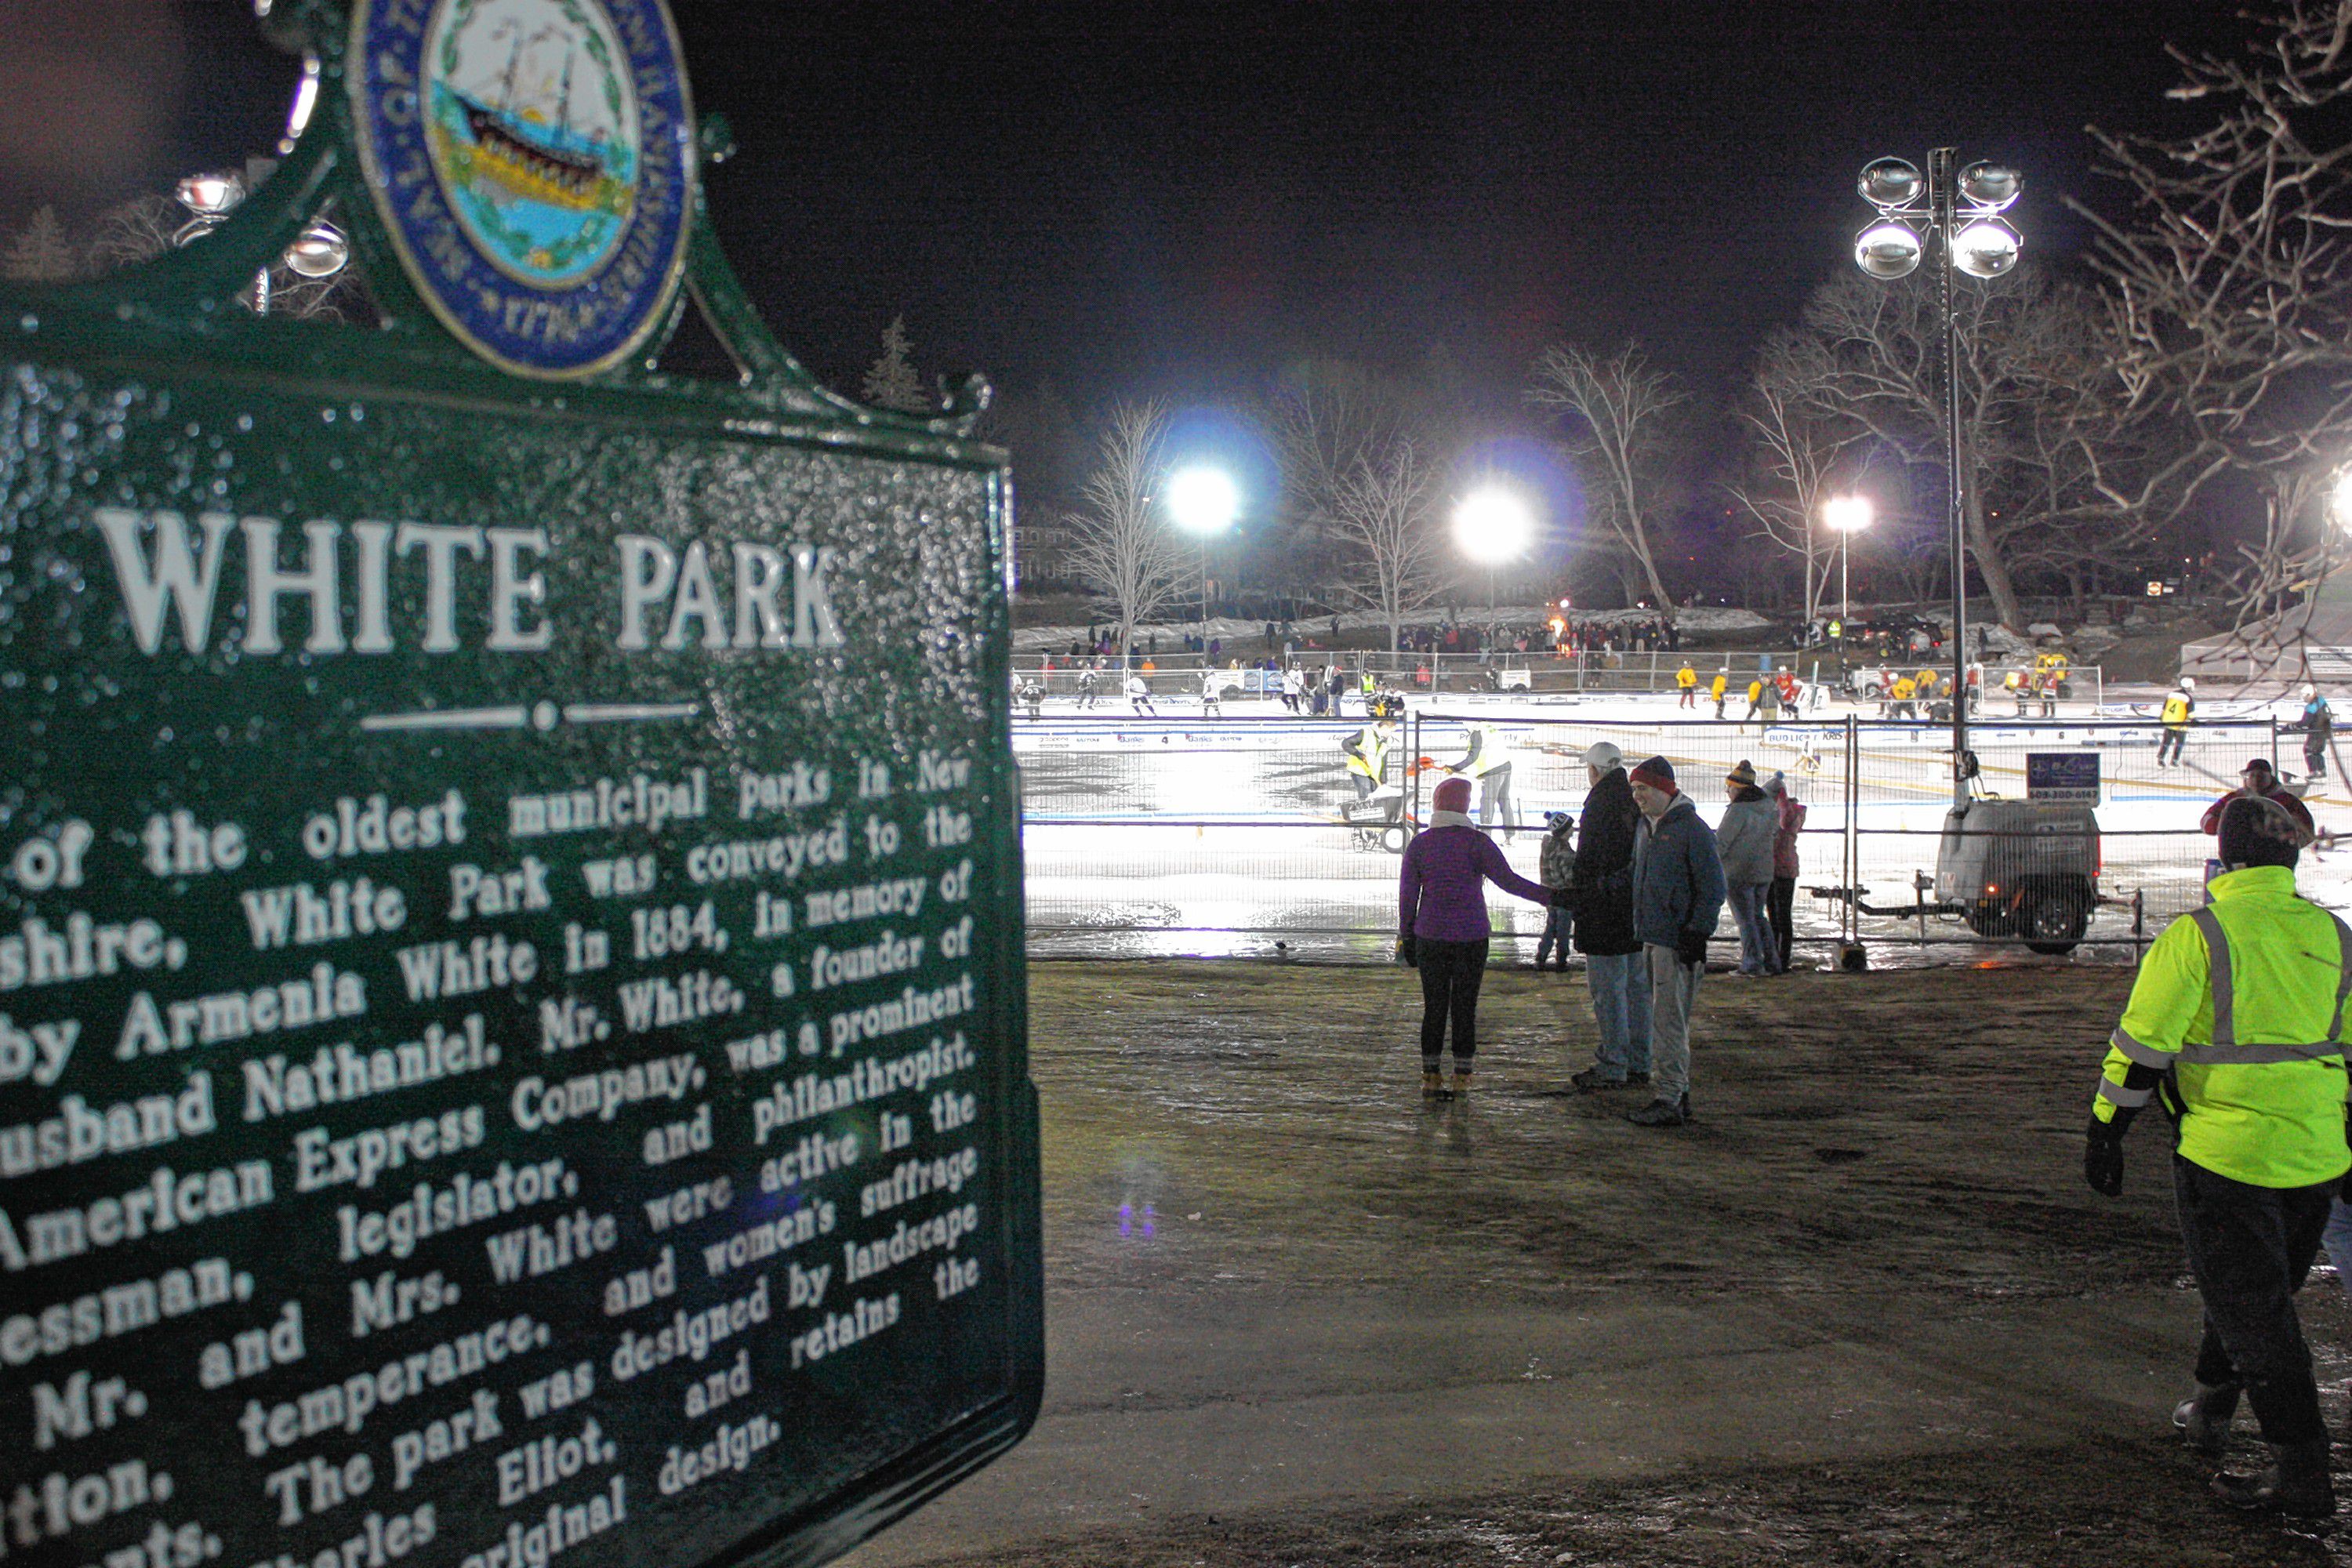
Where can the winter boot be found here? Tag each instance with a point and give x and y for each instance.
(1461, 1083)
(1433, 1084)
(1589, 1082)
(2204, 1418)
(2296, 1483)
(1661, 1113)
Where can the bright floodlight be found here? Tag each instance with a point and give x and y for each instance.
(210, 195)
(320, 251)
(1848, 514)
(1204, 501)
(1890, 183)
(1991, 185)
(1887, 249)
(1987, 248)
(1493, 525)
(2340, 501)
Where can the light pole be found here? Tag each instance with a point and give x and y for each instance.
(1959, 210)
(1204, 501)
(1493, 524)
(1846, 516)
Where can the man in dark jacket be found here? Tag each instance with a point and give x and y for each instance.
(1603, 885)
(1678, 897)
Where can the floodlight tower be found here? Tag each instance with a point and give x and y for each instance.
(1493, 524)
(1204, 501)
(1846, 516)
(1959, 211)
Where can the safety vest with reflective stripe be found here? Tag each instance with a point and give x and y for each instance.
(2242, 1002)
(1487, 751)
(1368, 753)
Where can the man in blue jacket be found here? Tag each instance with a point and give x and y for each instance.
(1678, 897)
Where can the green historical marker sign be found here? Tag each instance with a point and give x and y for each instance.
(512, 1002)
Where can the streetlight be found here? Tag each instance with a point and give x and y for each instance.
(1959, 211)
(1204, 501)
(1846, 516)
(1493, 524)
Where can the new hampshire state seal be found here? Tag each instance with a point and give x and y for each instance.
(533, 161)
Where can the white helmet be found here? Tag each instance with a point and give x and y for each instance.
(2309, 691)
(2188, 683)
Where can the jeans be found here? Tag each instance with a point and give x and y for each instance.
(1558, 929)
(1620, 983)
(1450, 974)
(1494, 798)
(1756, 944)
(1674, 989)
(2249, 1248)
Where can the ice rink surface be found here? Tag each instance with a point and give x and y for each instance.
(1180, 833)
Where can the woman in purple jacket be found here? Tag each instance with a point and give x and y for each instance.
(1441, 927)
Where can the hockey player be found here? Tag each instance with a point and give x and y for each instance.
(2179, 709)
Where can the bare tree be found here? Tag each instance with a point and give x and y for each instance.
(2063, 465)
(1116, 541)
(135, 231)
(1384, 509)
(2231, 284)
(1797, 458)
(1621, 437)
(1362, 473)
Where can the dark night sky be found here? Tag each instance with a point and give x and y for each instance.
(1129, 198)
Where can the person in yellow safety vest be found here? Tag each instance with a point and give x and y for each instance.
(2180, 707)
(1717, 687)
(1686, 682)
(1488, 760)
(2237, 1022)
(1902, 693)
(1366, 751)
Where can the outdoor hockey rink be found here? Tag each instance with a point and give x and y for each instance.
(1182, 834)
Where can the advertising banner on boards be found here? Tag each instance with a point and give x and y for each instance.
(513, 1043)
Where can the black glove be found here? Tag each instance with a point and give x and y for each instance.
(1408, 950)
(1690, 948)
(2103, 1158)
(1563, 897)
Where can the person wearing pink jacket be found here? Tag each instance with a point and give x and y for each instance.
(1779, 901)
(1443, 930)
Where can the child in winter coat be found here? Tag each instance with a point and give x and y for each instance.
(1558, 867)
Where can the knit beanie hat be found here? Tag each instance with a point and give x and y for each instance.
(1453, 794)
(1777, 785)
(1658, 773)
(1743, 775)
(2259, 832)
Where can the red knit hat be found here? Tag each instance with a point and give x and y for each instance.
(1658, 773)
(1453, 794)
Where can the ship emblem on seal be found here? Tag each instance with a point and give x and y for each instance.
(533, 159)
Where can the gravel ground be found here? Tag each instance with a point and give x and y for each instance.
(1863, 1311)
